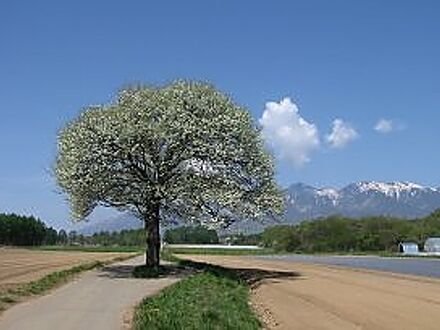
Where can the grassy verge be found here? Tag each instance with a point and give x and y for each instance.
(115, 249)
(14, 295)
(213, 298)
(232, 252)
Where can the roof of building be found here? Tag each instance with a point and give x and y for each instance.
(433, 240)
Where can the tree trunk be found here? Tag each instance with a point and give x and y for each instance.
(153, 237)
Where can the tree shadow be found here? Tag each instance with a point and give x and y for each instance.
(137, 271)
(116, 271)
(253, 277)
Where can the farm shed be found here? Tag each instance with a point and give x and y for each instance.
(408, 248)
(432, 244)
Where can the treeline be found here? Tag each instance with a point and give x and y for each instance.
(340, 234)
(131, 237)
(191, 235)
(137, 237)
(333, 234)
(242, 239)
(25, 231)
(18, 230)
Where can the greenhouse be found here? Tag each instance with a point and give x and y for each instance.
(432, 245)
(408, 248)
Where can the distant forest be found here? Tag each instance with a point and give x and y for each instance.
(340, 234)
(25, 231)
(16, 230)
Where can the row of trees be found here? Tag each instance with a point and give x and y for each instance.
(191, 235)
(136, 237)
(336, 234)
(18, 230)
(25, 231)
(133, 237)
(333, 234)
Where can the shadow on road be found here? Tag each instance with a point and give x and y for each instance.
(116, 271)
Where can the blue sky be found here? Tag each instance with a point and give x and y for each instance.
(357, 61)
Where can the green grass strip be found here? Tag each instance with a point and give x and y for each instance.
(214, 298)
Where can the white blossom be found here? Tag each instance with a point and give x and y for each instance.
(186, 146)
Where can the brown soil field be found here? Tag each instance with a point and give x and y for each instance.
(291, 295)
(21, 265)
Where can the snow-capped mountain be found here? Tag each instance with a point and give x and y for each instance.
(397, 199)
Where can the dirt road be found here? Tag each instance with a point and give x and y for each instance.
(331, 297)
(98, 300)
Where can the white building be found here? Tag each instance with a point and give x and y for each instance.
(408, 248)
(432, 245)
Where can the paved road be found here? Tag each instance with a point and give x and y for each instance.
(99, 299)
(413, 266)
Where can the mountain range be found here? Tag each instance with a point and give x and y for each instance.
(368, 198)
(304, 202)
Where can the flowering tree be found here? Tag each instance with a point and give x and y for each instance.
(182, 151)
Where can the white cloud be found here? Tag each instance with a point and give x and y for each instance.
(342, 134)
(290, 135)
(384, 126)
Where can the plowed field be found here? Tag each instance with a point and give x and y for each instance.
(22, 265)
(336, 298)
